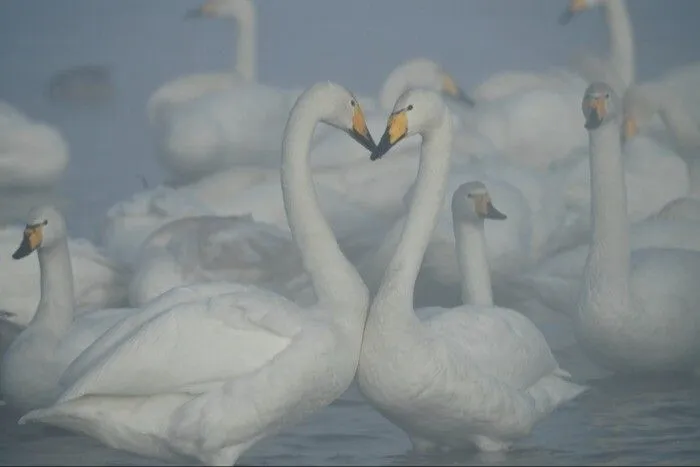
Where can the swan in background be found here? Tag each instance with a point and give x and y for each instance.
(638, 310)
(186, 88)
(283, 362)
(99, 282)
(476, 374)
(33, 363)
(641, 104)
(216, 248)
(618, 68)
(33, 155)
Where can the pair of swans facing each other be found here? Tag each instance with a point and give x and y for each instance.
(284, 359)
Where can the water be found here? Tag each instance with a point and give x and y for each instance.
(619, 421)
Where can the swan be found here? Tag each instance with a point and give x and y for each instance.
(474, 374)
(644, 101)
(32, 364)
(99, 282)
(283, 362)
(189, 87)
(217, 248)
(637, 311)
(619, 66)
(33, 155)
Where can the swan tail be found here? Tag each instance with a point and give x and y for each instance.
(553, 390)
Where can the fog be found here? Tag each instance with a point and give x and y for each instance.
(146, 43)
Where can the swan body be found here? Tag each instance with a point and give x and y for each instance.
(282, 363)
(637, 311)
(443, 379)
(33, 155)
(215, 248)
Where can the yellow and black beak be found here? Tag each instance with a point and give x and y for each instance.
(359, 131)
(595, 110)
(31, 240)
(396, 130)
(486, 210)
(575, 7)
(450, 88)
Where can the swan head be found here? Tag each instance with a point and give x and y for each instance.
(341, 109)
(241, 10)
(471, 202)
(45, 227)
(577, 6)
(421, 73)
(415, 111)
(600, 105)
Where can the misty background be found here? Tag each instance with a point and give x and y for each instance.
(355, 43)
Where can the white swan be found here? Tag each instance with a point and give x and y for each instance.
(217, 248)
(33, 363)
(189, 87)
(637, 311)
(618, 68)
(645, 101)
(33, 155)
(282, 362)
(476, 374)
(99, 281)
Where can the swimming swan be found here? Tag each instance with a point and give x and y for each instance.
(281, 362)
(478, 374)
(637, 311)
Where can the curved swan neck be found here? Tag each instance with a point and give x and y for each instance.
(607, 267)
(246, 45)
(57, 302)
(621, 39)
(336, 282)
(473, 263)
(395, 294)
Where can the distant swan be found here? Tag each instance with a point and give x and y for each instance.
(473, 374)
(245, 352)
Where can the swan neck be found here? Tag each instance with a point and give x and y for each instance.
(395, 294)
(57, 303)
(621, 40)
(693, 164)
(246, 47)
(337, 284)
(608, 263)
(473, 262)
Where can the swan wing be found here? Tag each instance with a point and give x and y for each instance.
(193, 346)
(501, 342)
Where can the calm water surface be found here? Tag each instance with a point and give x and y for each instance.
(620, 421)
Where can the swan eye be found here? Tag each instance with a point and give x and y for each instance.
(45, 222)
(469, 195)
(607, 96)
(352, 102)
(410, 107)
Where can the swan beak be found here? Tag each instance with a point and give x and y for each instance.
(359, 131)
(595, 111)
(31, 239)
(575, 6)
(630, 128)
(486, 210)
(396, 129)
(449, 87)
(206, 9)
